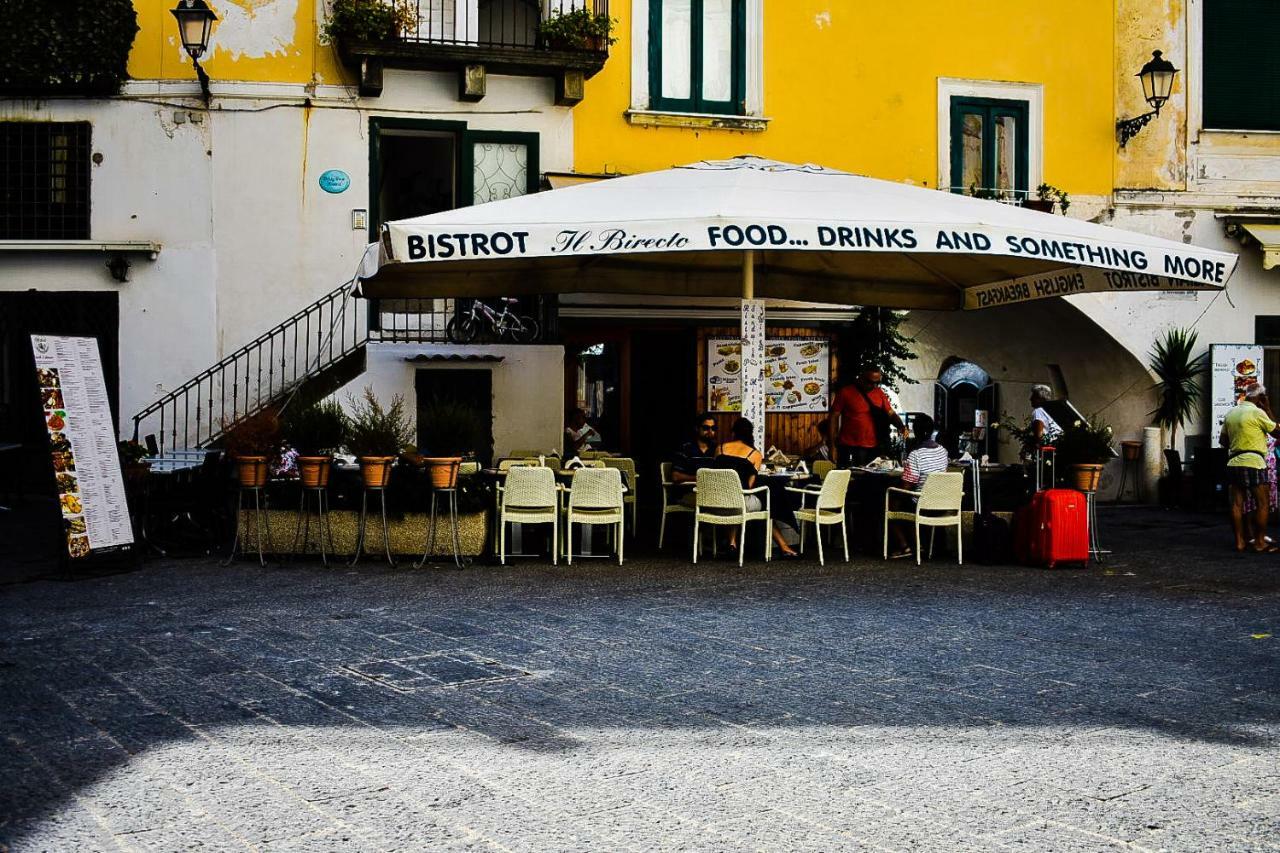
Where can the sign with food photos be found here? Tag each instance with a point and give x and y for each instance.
(82, 444)
(1234, 368)
(796, 375)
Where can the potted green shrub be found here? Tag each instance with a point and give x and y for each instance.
(315, 430)
(366, 20)
(577, 29)
(133, 460)
(377, 435)
(1046, 195)
(450, 430)
(1085, 448)
(253, 442)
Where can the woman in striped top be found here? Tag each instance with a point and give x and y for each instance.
(927, 457)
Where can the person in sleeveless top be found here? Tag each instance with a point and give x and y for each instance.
(739, 455)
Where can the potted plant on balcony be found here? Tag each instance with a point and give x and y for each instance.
(1046, 194)
(577, 29)
(315, 430)
(253, 442)
(451, 430)
(1086, 449)
(377, 435)
(366, 20)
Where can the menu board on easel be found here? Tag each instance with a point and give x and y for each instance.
(797, 375)
(82, 444)
(1234, 367)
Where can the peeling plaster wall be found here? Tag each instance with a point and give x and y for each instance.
(232, 195)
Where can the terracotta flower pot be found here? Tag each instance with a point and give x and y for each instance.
(314, 471)
(376, 471)
(444, 470)
(253, 471)
(1042, 205)
(135, 472)
(1131, 450)
(1087, 476)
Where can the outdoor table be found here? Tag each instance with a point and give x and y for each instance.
(783, 504)
(867, 488)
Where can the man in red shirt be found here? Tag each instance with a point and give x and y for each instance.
(862, 414)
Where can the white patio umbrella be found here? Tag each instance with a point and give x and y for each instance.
(753, 228)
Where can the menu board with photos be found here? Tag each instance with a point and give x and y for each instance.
(797, 375)
(82, 443)
(1234, 368)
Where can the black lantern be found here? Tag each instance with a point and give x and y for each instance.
(195, 20)
(1157, 84)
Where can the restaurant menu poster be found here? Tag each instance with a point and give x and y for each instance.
(1234, 368)
(82, 442)
(797, 375)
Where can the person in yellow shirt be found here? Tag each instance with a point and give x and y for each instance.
(1244, 434)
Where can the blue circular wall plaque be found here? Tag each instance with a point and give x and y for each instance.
(335, 181)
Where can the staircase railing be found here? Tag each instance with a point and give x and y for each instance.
(259, 373)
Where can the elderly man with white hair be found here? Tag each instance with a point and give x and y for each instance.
(1042, 423)
(1244, 434)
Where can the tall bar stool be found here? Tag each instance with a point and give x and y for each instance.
(1091, 510)
(448, 472)
(1130, 458)
(319, 492)
(253, 475)
(375, 483)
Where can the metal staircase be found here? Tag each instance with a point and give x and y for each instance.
(319, 349)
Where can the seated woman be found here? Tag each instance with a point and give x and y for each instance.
(926, 457)
(739, 454)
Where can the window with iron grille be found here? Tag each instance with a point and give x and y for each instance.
(44, 180)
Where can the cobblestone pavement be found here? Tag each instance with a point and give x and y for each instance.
(656, 706)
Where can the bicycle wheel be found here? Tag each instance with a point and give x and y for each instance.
(462, 330)
(524, 333)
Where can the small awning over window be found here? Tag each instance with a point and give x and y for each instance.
(1268, 236)
(438, 358)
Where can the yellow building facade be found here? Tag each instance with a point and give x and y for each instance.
(863, 87)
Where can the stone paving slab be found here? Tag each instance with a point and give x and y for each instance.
(867, 706)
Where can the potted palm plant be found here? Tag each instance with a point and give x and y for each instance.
(315, 430)
(1085, 448)
(253, 442)
(376, 435)
(1177, 379)
(450, 430)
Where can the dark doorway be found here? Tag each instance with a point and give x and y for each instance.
(962, 391)
(31, 528)
(472, 387)
(664, 399)
(417, 174)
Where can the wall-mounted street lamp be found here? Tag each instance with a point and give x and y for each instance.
(195, 20)
(1157, 83)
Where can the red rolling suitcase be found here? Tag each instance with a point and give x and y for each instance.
(1053, 529)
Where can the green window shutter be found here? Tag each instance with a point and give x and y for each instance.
(696, 102)
(976, 120)
(1241, 65)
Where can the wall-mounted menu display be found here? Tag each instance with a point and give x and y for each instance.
(797, 375)
(82, 442)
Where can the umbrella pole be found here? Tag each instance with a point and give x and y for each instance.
(752, 330)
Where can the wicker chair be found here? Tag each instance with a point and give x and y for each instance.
(595, 497)
(628, 469)
(828, 509)
(722, 500)
(508, 464)
(942, 495)
(671, 494)
(529, 496)
(822, 468)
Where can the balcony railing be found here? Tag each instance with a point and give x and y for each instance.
(500, 36)
(492, 23)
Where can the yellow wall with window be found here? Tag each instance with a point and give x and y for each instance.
(854, 85)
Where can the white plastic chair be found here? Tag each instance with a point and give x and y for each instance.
(671, 494)
(828, 509)
(628, 468)
(722, 500)
(595, 497)
(529, 496)
(941, 496)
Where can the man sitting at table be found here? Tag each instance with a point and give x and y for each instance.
(698, 452)
(926, 457)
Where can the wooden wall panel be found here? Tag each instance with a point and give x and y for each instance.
(789, 432)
